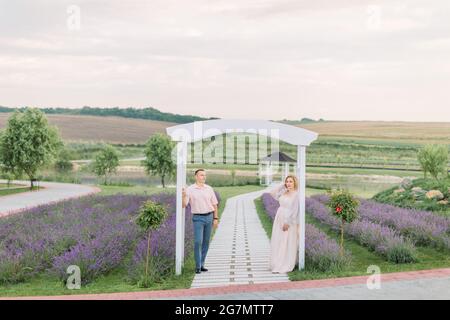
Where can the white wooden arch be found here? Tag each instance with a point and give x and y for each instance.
(199, 130)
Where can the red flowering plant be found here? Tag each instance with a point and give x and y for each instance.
(344, 205)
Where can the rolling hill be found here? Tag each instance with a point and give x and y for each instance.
(124, 130)
(96, 128)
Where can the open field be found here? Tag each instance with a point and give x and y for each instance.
(415, 132)
(108, 129)
(362, 144)
(347, 153)
(132, 131)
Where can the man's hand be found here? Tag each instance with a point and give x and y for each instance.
(285, 227)
(215, 223)
(183, 197)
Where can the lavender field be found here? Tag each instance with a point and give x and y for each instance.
(96, 233)
(321, 252)
(424, 228)
(381, 239)
(369, 241)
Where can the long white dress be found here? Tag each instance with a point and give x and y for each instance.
(284, 244)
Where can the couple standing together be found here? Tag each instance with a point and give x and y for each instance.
(285, 236)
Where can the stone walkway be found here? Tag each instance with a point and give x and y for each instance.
(52, 192)
(239, 251)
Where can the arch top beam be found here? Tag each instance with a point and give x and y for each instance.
(199, 130)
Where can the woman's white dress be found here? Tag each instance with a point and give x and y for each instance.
(284, 244)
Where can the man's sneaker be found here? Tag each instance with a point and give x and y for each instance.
(203, 269)
(197, 270)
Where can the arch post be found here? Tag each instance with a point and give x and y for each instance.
(198, 130)
(286, 170)
(180, 211)
(301, 165)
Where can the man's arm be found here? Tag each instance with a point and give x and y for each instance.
(184, 200)
(216, 212)
(216, 217)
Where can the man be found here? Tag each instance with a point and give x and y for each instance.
(203, 202)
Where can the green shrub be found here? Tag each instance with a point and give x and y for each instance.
(433, 159)
(402, 254)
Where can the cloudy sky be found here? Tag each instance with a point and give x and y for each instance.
(264, 59)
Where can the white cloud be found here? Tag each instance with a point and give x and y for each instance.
(352, 59)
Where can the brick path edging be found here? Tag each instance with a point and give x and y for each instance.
(305, 284)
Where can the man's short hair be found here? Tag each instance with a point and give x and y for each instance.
(198, 170)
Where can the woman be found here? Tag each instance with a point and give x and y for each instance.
(285, 232)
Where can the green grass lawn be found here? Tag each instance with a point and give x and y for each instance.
(116, 281)
(15, 189)
(382, 172)
(136, 189)
(429, 258)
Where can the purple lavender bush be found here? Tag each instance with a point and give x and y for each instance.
(51, 237)
(423, 227)
(163, 245)
(321, 253)
(381, 239)
(96, 233)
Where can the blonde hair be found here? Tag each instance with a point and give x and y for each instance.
(293, 178)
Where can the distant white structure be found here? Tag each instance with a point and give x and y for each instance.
(266, 167)
(199, 130)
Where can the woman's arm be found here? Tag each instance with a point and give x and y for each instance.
(292, 217)
(276, 191)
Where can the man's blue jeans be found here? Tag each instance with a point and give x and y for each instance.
(202, 234)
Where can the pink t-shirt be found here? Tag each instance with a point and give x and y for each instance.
(201, 199)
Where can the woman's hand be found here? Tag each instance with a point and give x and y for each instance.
(285, 227)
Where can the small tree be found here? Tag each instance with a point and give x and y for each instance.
(433, 159)
(151, 216)
(233, 177)
(106, 162)
(5, 174)
(345, 207)
(158, 157)
(63, 163)
(28, 143)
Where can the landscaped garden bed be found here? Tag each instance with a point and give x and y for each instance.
(383, 236)
(40, 268)
(422, 227)
(423, 194)
(322, 253)
(96, 233)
